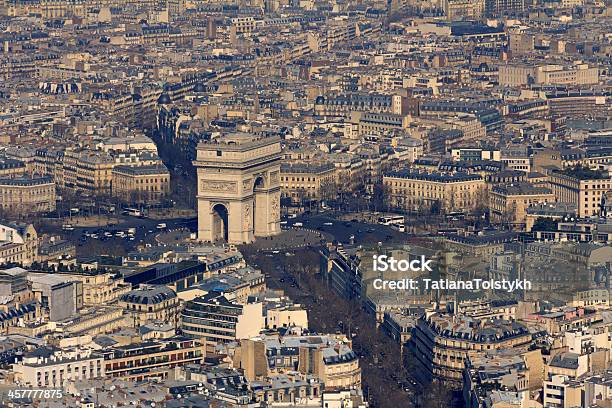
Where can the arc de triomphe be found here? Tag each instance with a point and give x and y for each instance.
(238, 188)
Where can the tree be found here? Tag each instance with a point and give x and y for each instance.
(544, 224)
(481, 202)
(509, 214)
(381, 197)
(437, 395)
(435, 208)
(329, 190)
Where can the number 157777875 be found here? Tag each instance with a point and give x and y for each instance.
(35, 393)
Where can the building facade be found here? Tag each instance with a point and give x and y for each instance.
(581, 187)
(24, 196)
(414, 191)
(149, 303)
(141, 183)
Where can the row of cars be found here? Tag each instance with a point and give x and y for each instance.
(129, 234)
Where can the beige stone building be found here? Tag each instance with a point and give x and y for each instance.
(18, 244)
(88, 171)
(238, 187)
(441, 343)
(337, 372)
(372, 123)
(149, 303)
(22, 196)
(414, 191)
(549, 74)
(141, 183)
(307, 181)
(94, 321)
(517, 369)
(580, 74)
(458, 9)
(328, 358)
(12, 168)
(53, 368)
(561, 371)
(286, 316)
(509, 203)
(581, 187)
(100, 289)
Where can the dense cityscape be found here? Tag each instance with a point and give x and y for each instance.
(306, 203)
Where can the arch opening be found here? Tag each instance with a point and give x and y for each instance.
(219, 223)
(258, 202)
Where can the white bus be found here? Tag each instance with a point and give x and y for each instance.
(393, 219)
(133, 212)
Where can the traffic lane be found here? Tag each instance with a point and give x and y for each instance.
(138, 223)
(279, 276)
(343, 230)
(146, 228)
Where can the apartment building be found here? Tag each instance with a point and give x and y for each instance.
(516, 160)
(579, 74)
(285, 316)
(94, 321)
(244, 25)
(581, 187)
(301, 181)
(329, 358)
(15, 314)
(418, 191)
(513, 370)
(353, 173)
(149, 303)
(57, 294)
(24, 196)
(459, 9)
(502, 7)
(549, 74)
(18, 243)
(509, 203)
(152, 359)
(237, 286)
(561, 320)
(144, 183)
(344, 104)
(10, 168)
(475, 154)
(441, 343)
(99, 288)
(337, 367)
(53, 368)
(371, 123)
(560, 386)
(218, 320)
(88, 171)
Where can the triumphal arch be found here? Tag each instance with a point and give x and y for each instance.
(238, 187)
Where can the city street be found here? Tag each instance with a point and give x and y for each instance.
(146, 230)
(386, 381)
(342, 231)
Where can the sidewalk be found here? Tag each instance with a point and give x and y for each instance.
(92, 221)
(289, 239)
(170, 213)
